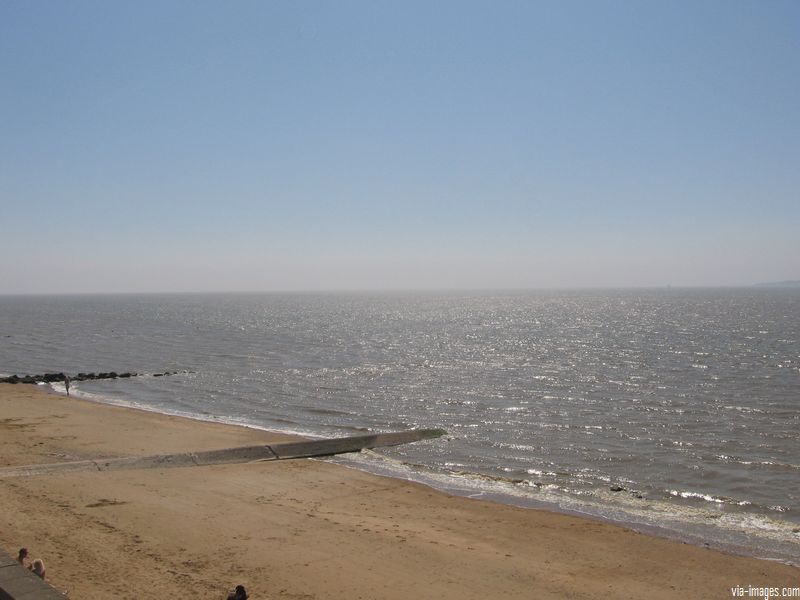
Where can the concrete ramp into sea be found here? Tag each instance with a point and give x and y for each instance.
(242, 454)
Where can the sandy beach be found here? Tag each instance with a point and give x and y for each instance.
(303, 528)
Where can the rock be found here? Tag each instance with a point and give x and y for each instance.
(617, 488)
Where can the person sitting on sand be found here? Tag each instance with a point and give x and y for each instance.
(38, 567)
(22, 556)
(238, 594)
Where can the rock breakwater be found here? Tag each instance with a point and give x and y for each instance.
(56, 377)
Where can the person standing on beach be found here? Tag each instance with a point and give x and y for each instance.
(22, 556)
(66, 383)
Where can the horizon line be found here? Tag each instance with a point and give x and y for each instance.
(787, 283)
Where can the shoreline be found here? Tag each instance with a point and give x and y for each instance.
(306, 527)
(451, 487)
(662, 531)
(634, 516)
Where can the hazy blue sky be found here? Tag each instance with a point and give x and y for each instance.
(195, 146)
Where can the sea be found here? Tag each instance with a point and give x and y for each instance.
(670, 411)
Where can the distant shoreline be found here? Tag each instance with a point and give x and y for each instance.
(780, 284)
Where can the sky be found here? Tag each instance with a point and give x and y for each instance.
(362, 145)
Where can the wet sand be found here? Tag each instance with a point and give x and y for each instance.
(304, 529)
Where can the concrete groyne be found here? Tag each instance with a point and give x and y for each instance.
(242, 454)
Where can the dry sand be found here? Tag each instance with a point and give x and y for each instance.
(304, 529)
